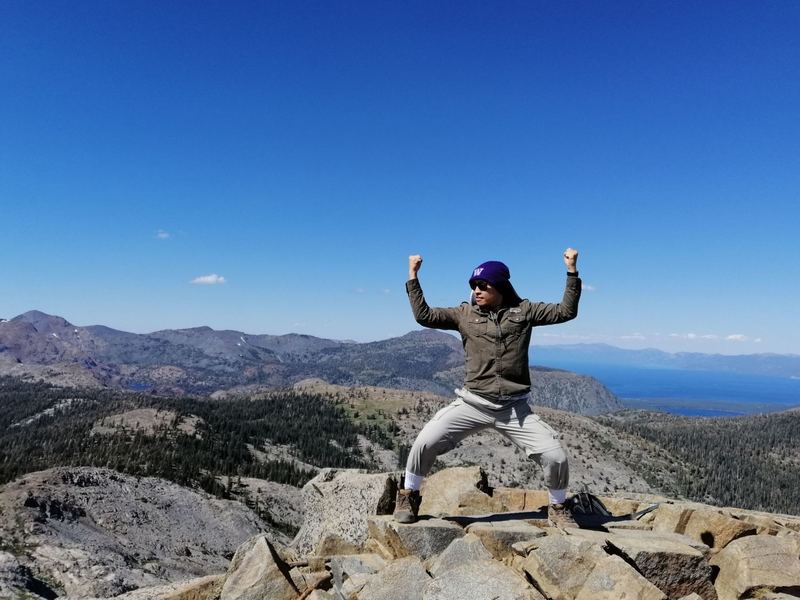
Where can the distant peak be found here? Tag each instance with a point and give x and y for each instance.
(201, 329)
(31, 314)
(42, 320)
(428, 334)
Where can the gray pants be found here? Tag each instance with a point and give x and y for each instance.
(517, 422)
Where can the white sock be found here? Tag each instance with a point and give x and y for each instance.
(557, 496)
(413, 482)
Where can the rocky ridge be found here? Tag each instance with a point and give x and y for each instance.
(82, 532)
(478, 543)
(202, 361)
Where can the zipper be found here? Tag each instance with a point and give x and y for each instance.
(496, 320)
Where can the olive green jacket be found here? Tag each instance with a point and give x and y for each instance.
(496, 343)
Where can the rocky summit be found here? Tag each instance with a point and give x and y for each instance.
(473, 542)
(81, 532)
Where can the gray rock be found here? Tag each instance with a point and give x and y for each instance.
(257, 572)
(614, 579)
(350, 573)
(202, 588)
(331, 544)
(96, 532)
(403, 578)
(715, 529)
(560, 565)
(461, 551)
(670, 517)
(637, 525)
(678, 538)
(675, 568)
(284, 503)
(522, 549)
(458, 491)
(700, 522)
(499, 537)
(765, 523)
(17, 580)
(760, 562)
(602, 537)
(423, 538)
(674, 563)
(305, 578)
(352, 587)
(336, 503)
(484, 580)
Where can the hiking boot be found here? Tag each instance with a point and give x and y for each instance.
(406, 506)
(560, 515)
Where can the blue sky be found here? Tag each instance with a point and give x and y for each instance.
(300, 151)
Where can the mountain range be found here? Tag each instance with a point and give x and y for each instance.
(203, 361)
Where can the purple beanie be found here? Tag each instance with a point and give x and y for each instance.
(499, 276)
(492, 271)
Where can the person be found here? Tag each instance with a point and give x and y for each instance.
(495, 327)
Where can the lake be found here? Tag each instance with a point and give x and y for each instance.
(693, 393)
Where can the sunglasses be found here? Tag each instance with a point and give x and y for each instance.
(481, 285)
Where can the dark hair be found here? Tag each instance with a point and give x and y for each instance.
(510, 296)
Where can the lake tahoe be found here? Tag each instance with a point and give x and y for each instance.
(692, 393)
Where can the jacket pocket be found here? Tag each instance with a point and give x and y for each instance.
(515, 326)
(478, 327)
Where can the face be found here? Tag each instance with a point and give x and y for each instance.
(486, 295)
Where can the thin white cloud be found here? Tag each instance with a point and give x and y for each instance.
(386, 291)
(734, 337)
(163, 235)
(589, 287)
(360, 291)
(633, 336)
(737, 337)
(638, 336)
(566, 336)
(695, 336)
(212, 279)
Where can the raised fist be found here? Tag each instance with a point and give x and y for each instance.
(571, 259)
(414, 263)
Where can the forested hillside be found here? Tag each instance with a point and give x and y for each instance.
(751, 462)
(286, 435)
(42, 426)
